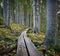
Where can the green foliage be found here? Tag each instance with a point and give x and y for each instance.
(56, 47)
(43, 27)
(8, 39)
(53, 49)
(1, 21)
(36, 38)
(59, 34)
(17, 28)
(0, 1)
(13, 4)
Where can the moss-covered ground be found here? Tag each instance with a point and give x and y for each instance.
(38, 38)
(8, 39)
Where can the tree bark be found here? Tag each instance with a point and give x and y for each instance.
(12, 15)
(21, 14)
(0, 10)
(8, 13)
(30, 20)
(5, 12)
(58, 17)
(50, 37)
(16, 12)
(58, 26)
(34, 16)
(43, 16)
(25, 15)
(38, 14)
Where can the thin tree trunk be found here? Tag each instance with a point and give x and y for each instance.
(12, 14)
(25, 14)
(58, 26)
(8, 13)
(16, 11)
(43, 15)
(22, 15)
(5, 12)
(0, 11)
(31, 20)
(58, 16)
(27, 19)
(34, 15)
(38, 14)
(31, 14)
(20, 19)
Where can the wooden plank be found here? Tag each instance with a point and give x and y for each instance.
(30, 46)
(25, 46)
(21, 49)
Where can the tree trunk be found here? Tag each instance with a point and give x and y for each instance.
(5, 12)
(38, 14)
(0, 10)
(12, 15)
(16, 12)
(27, 20)
(8, 13)
(50, 37)
(43, 15)
(30, 20)
(21, 14)
(20, 20)
(25, 15)
(58, 17)
(34, 16)
(58, 26)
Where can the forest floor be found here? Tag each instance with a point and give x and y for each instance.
(8, 39)
(38, 39)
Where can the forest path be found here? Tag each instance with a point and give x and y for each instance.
(25, 46)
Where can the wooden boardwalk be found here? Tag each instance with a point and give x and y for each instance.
(25, 46)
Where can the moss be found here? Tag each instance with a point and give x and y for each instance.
(38, 37)
(1, 21)
(9, 37)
